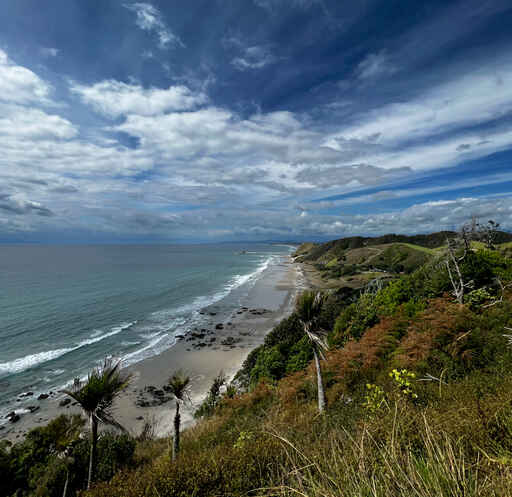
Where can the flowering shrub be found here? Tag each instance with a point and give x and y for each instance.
(375, 398)
(402, 381)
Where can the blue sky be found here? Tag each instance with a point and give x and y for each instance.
(222, 120)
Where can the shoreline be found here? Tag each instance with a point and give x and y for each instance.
(202, 354)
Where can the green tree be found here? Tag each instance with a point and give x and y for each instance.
(178, 384)
(308, 308)
(96, 396)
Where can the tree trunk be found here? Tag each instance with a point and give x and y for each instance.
(65, 492)
(321, 393)
(177, 419)
(92, 454)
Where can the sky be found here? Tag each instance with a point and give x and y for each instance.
(226, 120)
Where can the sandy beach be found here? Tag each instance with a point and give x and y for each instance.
(221, 346)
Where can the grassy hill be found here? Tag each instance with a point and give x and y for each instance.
(354, 261)
(419, 393)
(418, 388)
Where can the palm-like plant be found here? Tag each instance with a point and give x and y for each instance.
(308, 308)
(95, 396)
(178, 384)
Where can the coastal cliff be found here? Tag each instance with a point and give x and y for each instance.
(418, 389)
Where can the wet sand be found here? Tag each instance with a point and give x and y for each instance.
(201, 354)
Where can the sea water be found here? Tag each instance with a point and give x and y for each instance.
(64, 309)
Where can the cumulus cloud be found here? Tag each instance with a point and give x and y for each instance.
(230, 175)
(29, 123)
(20, 85)
(354, 175)
(149, 18)
(114, 98)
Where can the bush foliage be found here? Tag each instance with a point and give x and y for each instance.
(419, 392)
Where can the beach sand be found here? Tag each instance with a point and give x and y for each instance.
(221, 346)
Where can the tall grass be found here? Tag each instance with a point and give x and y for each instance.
(436, 466)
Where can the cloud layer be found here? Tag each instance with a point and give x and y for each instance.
(182, 157)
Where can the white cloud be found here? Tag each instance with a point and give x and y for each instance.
(469, 98)
(49, 52)
(150, 19)
(30, 123)
(254, 57)
(238, 173)
(114, 98)
(375, 65)
(20, 85)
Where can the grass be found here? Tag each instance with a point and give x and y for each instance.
(454, 439)
(426, 250)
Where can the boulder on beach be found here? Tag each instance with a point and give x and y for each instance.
(43, 396)
(13, 417)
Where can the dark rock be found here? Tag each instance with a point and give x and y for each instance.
(213, 339)
(219, 326)
(15, 418)
(27, 394)
(43, 396)
(159, 393)
(64, 402)
(12, 413)
(213, 313)
(33, 408)
(230, 341)
(197, 335)
(139, 418)
(2, 428)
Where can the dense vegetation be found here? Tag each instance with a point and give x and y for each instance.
(419, 402)
(40, 464)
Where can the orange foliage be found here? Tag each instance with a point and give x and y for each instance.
(361, 357)
(439, 319)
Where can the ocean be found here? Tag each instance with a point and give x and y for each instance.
(64, 309)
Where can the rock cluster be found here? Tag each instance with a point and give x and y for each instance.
(151, 396)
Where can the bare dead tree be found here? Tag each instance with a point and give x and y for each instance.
(456, 253)
(488, 233)
(502, 287)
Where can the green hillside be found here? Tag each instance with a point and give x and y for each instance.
(419, 396)
(418, 390)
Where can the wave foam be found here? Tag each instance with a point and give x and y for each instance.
(29, 361)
